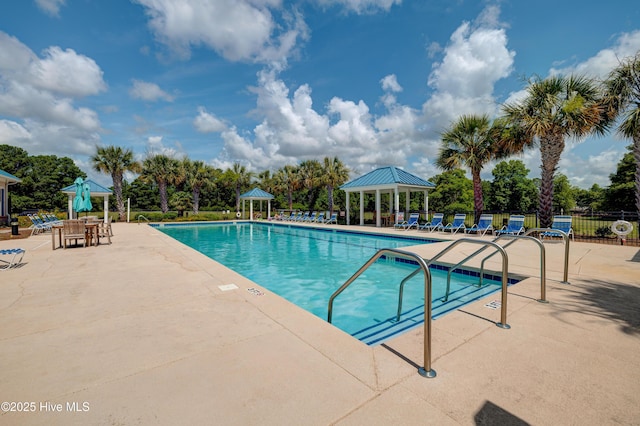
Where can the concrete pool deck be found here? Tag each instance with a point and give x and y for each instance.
(139, 332)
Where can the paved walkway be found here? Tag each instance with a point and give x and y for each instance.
(139, 332)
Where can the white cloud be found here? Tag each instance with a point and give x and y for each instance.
(148, 92)
(37, 98)
(208, 123)
(238, 30)
(50, 7)
(361, 6)
(599, 66)
(390, 83)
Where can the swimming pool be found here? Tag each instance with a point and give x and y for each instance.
(306, 265)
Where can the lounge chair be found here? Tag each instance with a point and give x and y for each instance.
(74, 229)
(332, 219)
(484, 225)
(408, 224)
(12, 254)
(436, 223)
(457, 224)
(303, 218)
(38, 225)
(560, 223)
(515, 226)
(311, 218)
(319, 218)
(294, 216)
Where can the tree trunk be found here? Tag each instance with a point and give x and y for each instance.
(330, 197)
(636, 156)
(196, 200)
(551, 147)
(164, 204)
(117, 188)
(477, 194)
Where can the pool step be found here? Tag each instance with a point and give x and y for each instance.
(414, 317)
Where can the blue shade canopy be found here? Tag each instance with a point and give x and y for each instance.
(256, 194)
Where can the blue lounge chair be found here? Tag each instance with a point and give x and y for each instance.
(12, 254)
(332, 219)
(560, 223)
(319, 218)
(295, 217)
(311, 218)
(436, 223)
(408, 224)
(303, 218)
(457, 224)
(484, 225)
(515, 226)
(38, 225)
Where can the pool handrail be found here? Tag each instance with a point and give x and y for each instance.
(141, 216)
(505, 269)
(425, 371)
(565, 236)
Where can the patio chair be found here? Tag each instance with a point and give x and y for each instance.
(408, 224)
(484, 225)
(560, 223)
(74, 229)
(436, 223)
(319, 218)
(312, 217)
(457, 224)
(332, 219)
(303, 218)
(515, 226)
(11, 254)
(38, 225)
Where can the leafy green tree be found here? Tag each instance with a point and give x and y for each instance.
(198, 176)
(554, 109)
(472, 141)
(334, 174)
(14, 160)
(563, 195)
(510, 189)
(453, 193)
(591, 198)
(623, 99)
(620, 194)
(115, 161)
(161, 170)
(143, 195)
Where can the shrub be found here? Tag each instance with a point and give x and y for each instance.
(604, 232)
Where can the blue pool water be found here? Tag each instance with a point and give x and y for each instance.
(306, 265)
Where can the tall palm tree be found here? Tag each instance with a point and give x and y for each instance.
(622, 97)
(554, 109)
(198, 176)
(471, 141)
(287, 180)
(335, 173)
(161, 170)
(310, 172)
(115, 161)
(241, 178)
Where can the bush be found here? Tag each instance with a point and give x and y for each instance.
(604, 232)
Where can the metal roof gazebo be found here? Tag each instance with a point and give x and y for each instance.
(96, 191)
(387, 180)
(256, 194)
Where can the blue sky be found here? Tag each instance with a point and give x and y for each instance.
(274, 82)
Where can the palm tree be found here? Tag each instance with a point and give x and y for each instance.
(198, 176)
(622, 97)
(310, 172)
(335, 173)
(241, 178)
(554, 109)
(161, 170)
(287, 180)
(471, 141)
(115, 161)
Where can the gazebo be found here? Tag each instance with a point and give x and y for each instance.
(256, 194)
(96, 191)
(6, 179)
(391, 181)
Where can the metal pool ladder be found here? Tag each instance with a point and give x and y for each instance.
(427, 371)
